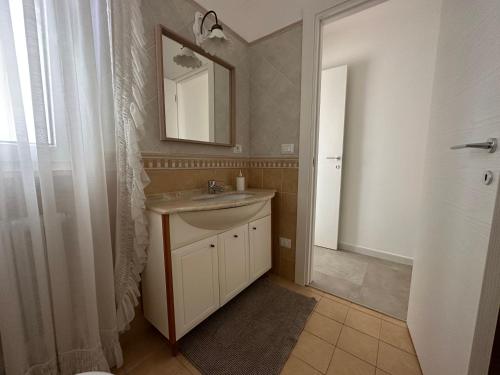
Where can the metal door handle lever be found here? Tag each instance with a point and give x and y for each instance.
(490, 145)
(334, 157)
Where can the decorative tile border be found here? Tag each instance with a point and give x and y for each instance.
(155, 162)
(274, 163)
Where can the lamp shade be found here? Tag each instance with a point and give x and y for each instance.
(187, 59)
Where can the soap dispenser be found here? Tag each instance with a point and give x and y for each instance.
(240, 182)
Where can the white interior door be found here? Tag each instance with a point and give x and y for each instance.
(329, 159)
(453, 298)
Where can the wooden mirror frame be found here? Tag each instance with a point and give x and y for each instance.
(163, 31)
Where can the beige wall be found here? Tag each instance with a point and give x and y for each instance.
(275, 68)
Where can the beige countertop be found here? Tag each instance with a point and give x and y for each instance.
(170, 203)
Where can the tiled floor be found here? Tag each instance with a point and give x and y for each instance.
(340, 338)
(378, 284)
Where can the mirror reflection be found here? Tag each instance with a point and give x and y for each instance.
(197, 95)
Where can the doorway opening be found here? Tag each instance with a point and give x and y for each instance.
(374, 105)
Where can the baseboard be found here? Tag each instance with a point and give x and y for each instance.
(376, 253)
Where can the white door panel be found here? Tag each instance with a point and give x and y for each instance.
(196, 283)
(330, 153)
(449, 265)
(260, 247)
(234, 268)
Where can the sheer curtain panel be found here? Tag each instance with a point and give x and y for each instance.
(58, 310)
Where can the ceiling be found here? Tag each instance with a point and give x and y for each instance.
(253, 19)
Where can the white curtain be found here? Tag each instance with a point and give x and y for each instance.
(61, 151)
(129, 64)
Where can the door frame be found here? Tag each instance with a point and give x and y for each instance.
(313, 20)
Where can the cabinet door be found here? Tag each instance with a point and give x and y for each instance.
(260, 246)
(196, 283)
(234, 269)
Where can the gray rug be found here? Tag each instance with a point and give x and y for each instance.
(254, 333)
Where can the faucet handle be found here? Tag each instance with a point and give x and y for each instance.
(215, 186)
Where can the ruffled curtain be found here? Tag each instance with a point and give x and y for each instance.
(129, 65)
(71, 183)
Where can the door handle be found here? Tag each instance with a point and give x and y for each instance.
(334, 157)
(490, 145)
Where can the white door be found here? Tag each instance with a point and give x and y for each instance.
(196, 283)
(234, 267)
(329, 159)
(260, 247)
(453, 297)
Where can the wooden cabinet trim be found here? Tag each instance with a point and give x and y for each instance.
(169, 283)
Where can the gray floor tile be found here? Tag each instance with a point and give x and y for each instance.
(375, 283)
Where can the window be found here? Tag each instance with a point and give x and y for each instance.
(7, 125)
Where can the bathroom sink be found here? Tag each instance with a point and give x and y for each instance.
(223, 197)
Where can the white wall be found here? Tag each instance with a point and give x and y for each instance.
(390, 50)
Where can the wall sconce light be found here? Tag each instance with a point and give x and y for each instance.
(211, 40)
(187, 59)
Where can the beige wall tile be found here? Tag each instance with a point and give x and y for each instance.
(359, 344)
(287, 269)
(255, 178)
(313, 351)
(363, 322)
(290, 180)
(397, 336)
(396, 361)
(344, 363)
(289, 204)
(332, 309)
(295, 366)
(271, 178)
(323, 327)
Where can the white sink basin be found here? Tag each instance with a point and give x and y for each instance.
(223, 218)
(223, 197)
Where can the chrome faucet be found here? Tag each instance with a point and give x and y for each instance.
(215, 186)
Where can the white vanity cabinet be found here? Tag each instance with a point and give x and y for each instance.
(234, 262)
(200, 260)
(260, 247)
(195, 275)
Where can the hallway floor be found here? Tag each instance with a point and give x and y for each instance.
(340, 338)
(375, 283)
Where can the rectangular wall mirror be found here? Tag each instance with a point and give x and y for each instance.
(195, 92)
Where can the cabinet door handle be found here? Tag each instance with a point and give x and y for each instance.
(254, 228)
(212, 245)
(235, 236)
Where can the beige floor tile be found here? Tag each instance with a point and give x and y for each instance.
(160, 363)
(138, 347)
(344, 363)
(396, 361)
(306, 291)
(360, 344)
(392, 320)
(380, 372)
(313, 351)
(295, 366)
(396, 336)
(363, 322)
(192, 370)
(323, 327)
(332, 309)
(366, 310)
(337, 299)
